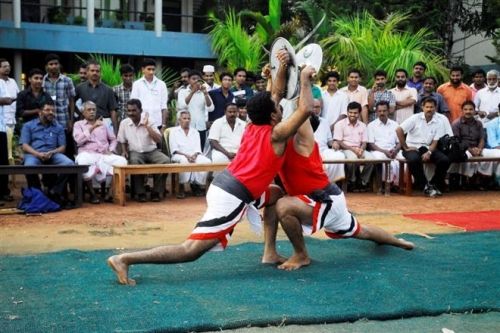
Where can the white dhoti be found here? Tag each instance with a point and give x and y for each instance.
(393, 168)
(100, 165)
(485, 168)
(199, 178)
(218, 157)
(335, 172)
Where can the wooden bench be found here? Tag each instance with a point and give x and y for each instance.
(77, 170)
(405, 182)
(386, 164)
(121, 172)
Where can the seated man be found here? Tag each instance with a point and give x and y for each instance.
(225, 135)
(383, 142)
(423, 131)
(242, 111)
(43, 141)
(139, 139)
(185, 147)
(471, 134)
(324, 139)
(96, 143)
(351, 135)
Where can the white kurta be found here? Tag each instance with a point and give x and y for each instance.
(384, 136)
(189, 144)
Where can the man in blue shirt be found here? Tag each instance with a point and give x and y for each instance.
(221, 97)
(429, 90)
(43, 141)
(417, 80)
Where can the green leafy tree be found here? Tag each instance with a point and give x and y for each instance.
(438, 17)
(364, 42)
(234, 46)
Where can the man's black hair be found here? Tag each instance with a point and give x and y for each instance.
(136, 102)
(380, 72)
(35, 71)
(401, 70)
(51, 57)
(382, 102)
(224, 74)
(126, 68)
(194, 72)
(240, 69)
(420, 63)
(354, 105)
(260, 107)
(428, 99)
(148, 62)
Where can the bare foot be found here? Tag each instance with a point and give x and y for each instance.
(295, 262)
(273, 259)
(121, 270)
(404, 244)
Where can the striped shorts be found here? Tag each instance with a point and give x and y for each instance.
(333, 217)
(224, 211)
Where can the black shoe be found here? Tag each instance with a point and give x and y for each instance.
(94, 200)
(141, 197)
(155, 197)
(68, 205)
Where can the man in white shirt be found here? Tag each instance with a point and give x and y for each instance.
(225, 135)
(382, 140)
(405, 97)
(357, 93)
(9, 109)
(4, 156)
(153, 94)
(488, 98)
(139, 139)
(334, 101)
(11, 90)
(324, 138)
(209, 77)
(197, 101)
(185, 147)
(423, 131)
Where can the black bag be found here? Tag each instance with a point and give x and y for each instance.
(452, 147)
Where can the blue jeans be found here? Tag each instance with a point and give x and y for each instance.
(56, 185)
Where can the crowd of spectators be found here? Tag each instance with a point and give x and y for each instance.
(102, 126)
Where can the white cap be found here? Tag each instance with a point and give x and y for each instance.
(208, 69)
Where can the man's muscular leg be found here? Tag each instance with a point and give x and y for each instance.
(270, 255)
(189, 250)
(292, 213)
(382, 237)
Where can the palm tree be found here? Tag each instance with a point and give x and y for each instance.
(361, 41)
(233, 45)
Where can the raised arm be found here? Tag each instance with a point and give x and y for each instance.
(284, 130)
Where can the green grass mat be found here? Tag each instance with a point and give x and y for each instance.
(75, 291)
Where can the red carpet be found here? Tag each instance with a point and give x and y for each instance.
(470, 221)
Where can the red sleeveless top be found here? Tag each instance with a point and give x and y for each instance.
(256, 164)
(303, 175)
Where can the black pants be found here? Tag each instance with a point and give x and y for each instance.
(203, 138)
(4, 160)
(442, 162)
